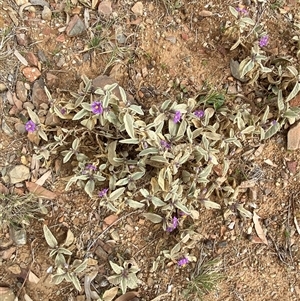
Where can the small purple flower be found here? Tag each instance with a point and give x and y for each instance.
(243, 11)
(103, 192)
(199, 113)
(274, 122)
(264, 40)
(174, 225)
(30, 126)
(177, 117)
(165, 144)
(182, 262)
(91, 167)
(63, 111)
(97, 107)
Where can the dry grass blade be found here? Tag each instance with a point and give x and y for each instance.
(259, 230)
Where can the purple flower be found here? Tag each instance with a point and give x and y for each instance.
(183, 261)
(174, 225)
(91, 167)
(165, 144)
(177, 116)
(103, 192)
(264, 40)
(63, 111)
(97, 107)
(274, 122)
(243, 11)
(30, 126)
(199, 113)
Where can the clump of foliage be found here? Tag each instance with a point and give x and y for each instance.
(173, 159)
(64, 267)
(204, 279)
(277, 75)
(17, 210)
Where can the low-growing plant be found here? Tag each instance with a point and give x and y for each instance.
(64, 267)
(17, 210)
(173, 159)
(204, 279)
(125, 275)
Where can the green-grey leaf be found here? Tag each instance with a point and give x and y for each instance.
(244, 211)
(135, 205)
(130, 141)
(248, 67)
(89, 187)
(159, 159)
(272, 130)
(183, 208)
(42, 134)
(60, 260)
(148, 151)
(57, 279)
(33, 116)
(75, 143)
(248, 130)
(64, 251)
(116, 268)
(157, 202)
(50, 239)
(294, 92)
(116, 194)
(132, 281)
(280, 102)
(76, 282)
(234, 12)
(123, 284)
(136, 109)
(211, 205)
(80, 114)
(154, 218)
(129, 125)
(248, 20)
(81, 267)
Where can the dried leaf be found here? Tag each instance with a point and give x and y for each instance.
(20, 57)
(41, 181)
(205, 13)
(128, 296)
(40, 191)
(110, 294)
(258, 229)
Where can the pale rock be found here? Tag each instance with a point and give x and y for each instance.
(293, 138)
(105, 8)
(6, 294)
(46, 13)
(138, 8)
(21, 91)
(19, 174)
(21, 2)
(2, 87)
(15, 269)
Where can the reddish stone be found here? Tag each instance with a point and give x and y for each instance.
(32, 59)
(31, 73)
